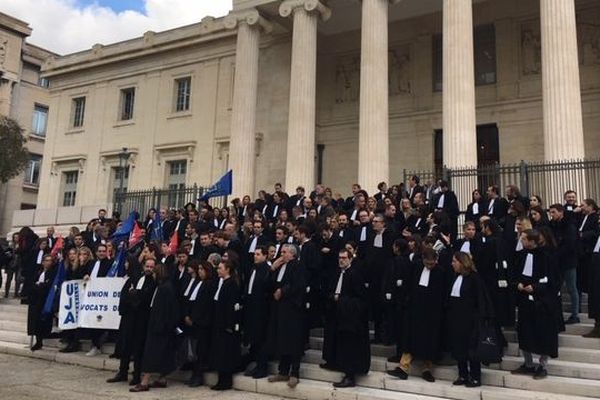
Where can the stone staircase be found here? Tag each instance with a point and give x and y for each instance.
(575, 375)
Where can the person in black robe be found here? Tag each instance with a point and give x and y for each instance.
(199, 319)
(225, 351)
(159, 348)
(447, 202)
(256, 300)
(588, 232)
(594, 291)
(396, 278)
(27, 257)
(537, 286)
(344, 232)
(134, 308)
(468, 306)
(565, 235)
(330, 245)
(39, 324)
(476, 208)
(425, 304)
(310, 261)
(379, 249)
(349, 330)
(256, 239)
(179, 275)
(286, 336)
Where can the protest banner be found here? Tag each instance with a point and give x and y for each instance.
(71, 296)
(100, 307)
(91, 304)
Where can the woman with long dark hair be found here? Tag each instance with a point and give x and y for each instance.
(226, 341)
(159, 349)
(27, 257)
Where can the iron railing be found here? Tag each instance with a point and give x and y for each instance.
(549, 180)
(143, 200)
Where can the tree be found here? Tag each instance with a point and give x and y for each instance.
(13, 154)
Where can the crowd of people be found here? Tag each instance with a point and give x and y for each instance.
(248, 282)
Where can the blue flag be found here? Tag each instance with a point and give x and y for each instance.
(126, 227)
(223, 187)
(118, 265)
(54, 289)
(157, 231)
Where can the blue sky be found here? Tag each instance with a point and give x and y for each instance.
(116, 5)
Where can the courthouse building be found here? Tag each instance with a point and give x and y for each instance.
(23, 97)
(306, 91)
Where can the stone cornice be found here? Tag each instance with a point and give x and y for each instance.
(251, 17)
(210, 29)
(287, 7)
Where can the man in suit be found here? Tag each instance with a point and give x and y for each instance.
(414, 188)
(50, 237)
(447, 202)
(497, 207)
(382, 192)
(296, 200)
(349, 204)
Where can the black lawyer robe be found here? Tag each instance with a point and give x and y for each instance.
(256, 305)
(348, 331)
(537, 326)
(425, 314)
(38, 324)
(286, 330)
(159, 349)
(225, 351)
(201, 312)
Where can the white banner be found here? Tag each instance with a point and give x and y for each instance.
(71, 297)
(94, 304)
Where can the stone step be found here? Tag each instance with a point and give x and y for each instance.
(315, 383)
(492, 375)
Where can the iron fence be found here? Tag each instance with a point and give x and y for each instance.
(143, 200)
(549, 180)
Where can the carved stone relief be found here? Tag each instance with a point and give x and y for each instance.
(531, 49)
(588, 37)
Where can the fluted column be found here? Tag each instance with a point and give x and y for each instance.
(459, 124)
(242, 142)
(373, 129)
(300, 165)
(563, 126)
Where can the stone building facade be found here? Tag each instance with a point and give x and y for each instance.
(339, 91)
(23, 97)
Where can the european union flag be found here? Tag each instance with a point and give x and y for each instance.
(157, 231)
(54, 289)
(223, 187)
(118, 265)
(125, 229)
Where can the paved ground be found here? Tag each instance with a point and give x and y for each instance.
(24, 378)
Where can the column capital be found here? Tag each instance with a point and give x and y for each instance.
(251, 17)
(287, 7)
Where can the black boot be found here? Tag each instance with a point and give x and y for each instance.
(196, 381)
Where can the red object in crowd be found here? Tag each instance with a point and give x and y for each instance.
(136, 235)
(174, 243)
(58, 246)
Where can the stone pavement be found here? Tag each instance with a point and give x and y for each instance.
(23, 378)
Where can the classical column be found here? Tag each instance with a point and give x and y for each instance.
(242, 142)
(373, 128)
(300, 165)
(563, 126)
(459, 124)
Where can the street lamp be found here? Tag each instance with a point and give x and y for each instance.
(123, 158)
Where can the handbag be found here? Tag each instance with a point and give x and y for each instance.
(186, 353)
(488, 349)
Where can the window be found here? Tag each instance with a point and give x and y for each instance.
(127, 101)
(116, 180)
(485, 55)
(32, 171)
(27, 206)
(40, 120)
(183, 89)
(44, 82)
(176, 182)
(69, 188)
(437, 62)
(78, 112)
(484, 47)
